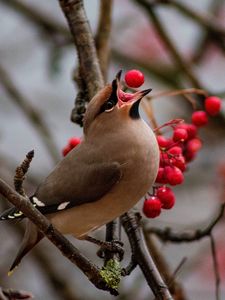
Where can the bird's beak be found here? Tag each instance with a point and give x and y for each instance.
(124, 98)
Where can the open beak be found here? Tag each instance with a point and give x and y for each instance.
(128, 98)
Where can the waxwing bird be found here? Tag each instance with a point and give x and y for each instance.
(104, 176)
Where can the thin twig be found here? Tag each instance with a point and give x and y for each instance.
(185, 92)
(32, 114)
(178, 93)
(130, 267)
(103, 34)
(147, 106)
(21, 172)
(143, 258)
(163, 267)
(204, 41)
(215, 266)
(111, 235)
(187, 237)
(66, 248)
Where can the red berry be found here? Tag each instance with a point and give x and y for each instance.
(213, 105)
(179, 162)
(180, 134)
(163, 141)
(166, 196)
(152, 207)
(194, 145)
(161, 176)
(173, 175)
(164, 159)
(189, 156)
(134, 78)
(66, 150)
(176, 150)
(199, 118)
(73, 142)
(191, 129)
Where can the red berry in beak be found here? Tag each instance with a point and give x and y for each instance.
(134, 78)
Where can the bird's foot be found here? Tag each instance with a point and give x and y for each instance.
(114, 246)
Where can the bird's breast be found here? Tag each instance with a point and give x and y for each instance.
(137, 151)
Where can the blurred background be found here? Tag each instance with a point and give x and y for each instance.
(36, 98)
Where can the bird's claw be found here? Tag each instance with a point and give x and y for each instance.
(115, 246)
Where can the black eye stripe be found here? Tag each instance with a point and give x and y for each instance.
(107, 105)
(112, 100)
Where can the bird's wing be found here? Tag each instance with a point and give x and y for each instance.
(76, 181)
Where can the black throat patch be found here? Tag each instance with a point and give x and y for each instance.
(134, 110)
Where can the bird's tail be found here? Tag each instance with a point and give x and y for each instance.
(31, 237)
(11, 213)
(14, 213)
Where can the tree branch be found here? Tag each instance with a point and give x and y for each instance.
(187, 237)
(161, 263)
(88, 76)
(84, 42)
(21, 172)
(66, 248)
(103, 34)
(215, 266)
(143, 258)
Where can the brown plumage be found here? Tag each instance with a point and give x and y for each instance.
(103, 177)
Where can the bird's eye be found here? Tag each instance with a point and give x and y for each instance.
(109, 106)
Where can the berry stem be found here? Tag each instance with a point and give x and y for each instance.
(183, 92)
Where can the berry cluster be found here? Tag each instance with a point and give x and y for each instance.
(72, 142)
(175, 153)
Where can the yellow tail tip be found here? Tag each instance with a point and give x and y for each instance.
(10, 273)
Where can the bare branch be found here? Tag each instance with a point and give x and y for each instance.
(102, 35)
(88, 77)
(163, 267)
(66, 248)
(187, 237)
(84, 42)
(143, 258)
(215, 266)
(21, 172)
